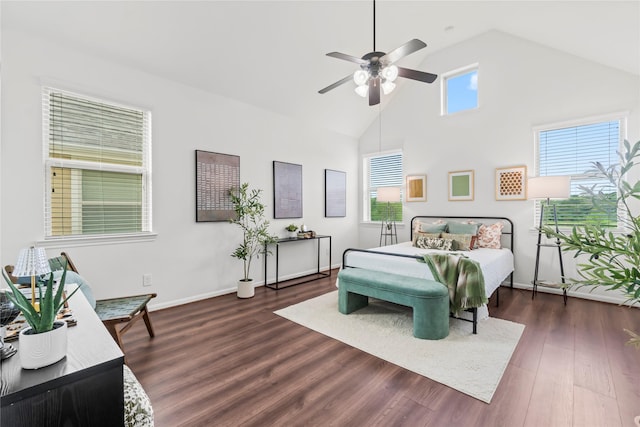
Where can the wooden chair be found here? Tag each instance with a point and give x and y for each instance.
(114, 312)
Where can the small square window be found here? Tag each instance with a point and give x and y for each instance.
(460, 90)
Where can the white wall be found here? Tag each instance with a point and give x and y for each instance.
(187, 260)
(521, 85)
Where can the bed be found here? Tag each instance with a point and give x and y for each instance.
(497, 264)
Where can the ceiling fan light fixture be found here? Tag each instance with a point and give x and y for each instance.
(362, 90)
(388, 87)
(360, 77)
(390, 73)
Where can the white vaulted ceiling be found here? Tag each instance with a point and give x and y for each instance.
(271, 54)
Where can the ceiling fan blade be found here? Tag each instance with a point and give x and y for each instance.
(404, 50)
(417, 75)
(348, 57)
(336, 84)
(374, 91)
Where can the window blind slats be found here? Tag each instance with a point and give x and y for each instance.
(572, 151)
(384, 171)
(99, 163)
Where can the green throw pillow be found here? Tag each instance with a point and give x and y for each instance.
(462, 228)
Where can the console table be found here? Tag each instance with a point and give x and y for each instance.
(83, 389)
(317, 275)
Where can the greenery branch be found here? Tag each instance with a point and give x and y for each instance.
(613, 257)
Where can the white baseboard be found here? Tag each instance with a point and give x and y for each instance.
(612, 299)
(219, 292)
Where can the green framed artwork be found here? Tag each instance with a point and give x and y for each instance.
(461, 185)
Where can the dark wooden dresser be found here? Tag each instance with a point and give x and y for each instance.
(83, 389)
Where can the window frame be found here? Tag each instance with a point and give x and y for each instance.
(621, 117)
(145, 170)
(444, 100)
(367, 189)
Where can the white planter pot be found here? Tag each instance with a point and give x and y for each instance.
(40, 350)
(292, 234)
(246, 289)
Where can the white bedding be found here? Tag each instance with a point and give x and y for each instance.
(496, 264)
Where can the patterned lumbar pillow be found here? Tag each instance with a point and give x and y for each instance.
(461, 242)
(434, 243)
(417, 235)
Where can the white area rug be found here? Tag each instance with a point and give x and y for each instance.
(471, 364)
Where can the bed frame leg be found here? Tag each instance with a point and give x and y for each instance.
(475, 321)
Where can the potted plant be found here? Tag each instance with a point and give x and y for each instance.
(291, 229)
(250, 218)
(44, 341)
(614, 259)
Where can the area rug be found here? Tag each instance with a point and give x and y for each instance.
(471, 364)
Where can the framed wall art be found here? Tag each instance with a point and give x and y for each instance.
(216, 174)
(511, 183)
(287, 190)
(335, 193)
(416, 188)
(461, 185)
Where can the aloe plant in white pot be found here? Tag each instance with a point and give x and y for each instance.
(251, 219)
(44, 341)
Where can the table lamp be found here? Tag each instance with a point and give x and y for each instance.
(32, 262)
(541, 188)
(388, 195)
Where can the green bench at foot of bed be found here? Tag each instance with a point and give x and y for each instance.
(429, 299)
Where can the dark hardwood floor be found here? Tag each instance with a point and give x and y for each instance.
(230, 362)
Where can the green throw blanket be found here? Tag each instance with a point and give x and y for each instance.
(462, 276)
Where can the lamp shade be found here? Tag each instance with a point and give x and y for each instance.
(388, 194)
(549, 187)
(31, 262)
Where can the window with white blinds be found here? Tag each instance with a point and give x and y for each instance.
(381, 170)
(572, 150)
(98, 162)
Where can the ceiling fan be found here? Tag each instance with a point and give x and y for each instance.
(377, 69)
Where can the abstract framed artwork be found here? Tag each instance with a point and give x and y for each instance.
(511, 183)
(335, 193)
(461, 186)
(216, 174)
(416, 188)
(287, 190)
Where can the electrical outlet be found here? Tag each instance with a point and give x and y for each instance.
(146, 279)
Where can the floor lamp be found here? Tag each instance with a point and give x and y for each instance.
(388, 226)
(547, 188)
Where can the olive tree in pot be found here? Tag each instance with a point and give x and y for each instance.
(249, 216)
(44, 341)
(614, 258)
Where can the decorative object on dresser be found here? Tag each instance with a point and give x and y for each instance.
(44, 341)
(8, 312)
(388, 230)
(461, 186)
(511, 183)
(547, 188)
(335, 193)
(416, 188)
(216, 174)
(251, 219)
